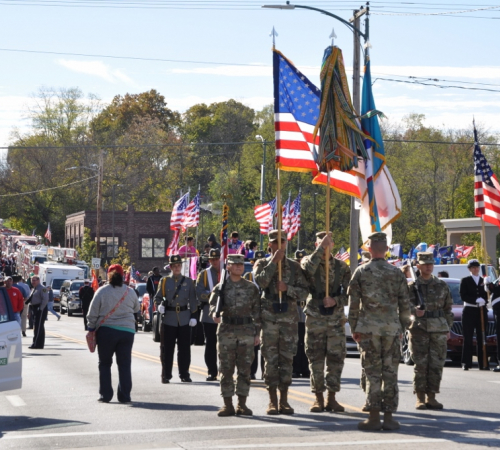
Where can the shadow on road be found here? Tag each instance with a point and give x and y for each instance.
(172, 407)
(27, 423)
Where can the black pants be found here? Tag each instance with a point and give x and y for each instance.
(169, 336)
(39, 318)
(210, 331)
(84, 311)
(496, 312)
(471, 320)
(255, 363)
(115, 342)
(300, 361)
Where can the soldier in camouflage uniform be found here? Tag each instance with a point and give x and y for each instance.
(325, 322)
(237, 334)
(379, 311)
(429, 332)
(279, 329)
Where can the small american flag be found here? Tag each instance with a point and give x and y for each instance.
(178, 212)
(192, 213)
(342, 254)
(486, 188)
(134, 273)
(295, 217)
(264, 215)
(174, 244)
(286, 218)
(48, 233)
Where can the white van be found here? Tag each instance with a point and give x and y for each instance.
(54, 275)
(460, 270)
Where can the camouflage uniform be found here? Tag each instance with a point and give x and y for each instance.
(325, 333)
(379, 310)
(428, 333)
(279, 330)
(235, 341)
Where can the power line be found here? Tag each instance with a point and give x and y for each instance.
(435, 85)
(48, 189)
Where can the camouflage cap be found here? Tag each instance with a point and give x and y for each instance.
(378, 236)
(473, 263)
(259, 254)
(425, 258)
(273, 235)
(235, 259)
(366, 256)
(214, 253)
(175, 259)
(299, 254)
(320, 235)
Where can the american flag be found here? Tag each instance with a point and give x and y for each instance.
(342, 254)
(286, 218)
(486, 188)
(295, 217)
(48, 233)
(174, 244)
(178, 212)
(223, 237)
(192, 213)
(134, 273)
(264, 215)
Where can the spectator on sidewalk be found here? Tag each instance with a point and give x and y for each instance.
(16, 299)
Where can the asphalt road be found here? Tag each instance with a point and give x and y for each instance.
(57, 407)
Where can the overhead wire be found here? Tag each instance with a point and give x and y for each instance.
(48, 189)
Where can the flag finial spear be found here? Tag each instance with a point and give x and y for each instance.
(274, 34)
(333, 35)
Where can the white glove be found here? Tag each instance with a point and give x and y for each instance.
(192, 322)
(480, 302)
(487, 280)
(161, 309)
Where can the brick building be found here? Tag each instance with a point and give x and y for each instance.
(147, 234)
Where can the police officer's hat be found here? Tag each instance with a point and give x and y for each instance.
(425, 258)
(259, 254)
(214, 253)
(175, 259)
(473, 263)
(273, 235)
(299, 254)
(378, 237)
(235, 259)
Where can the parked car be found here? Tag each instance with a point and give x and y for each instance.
(11, 363)
(456, 340)
(460, 271)
(70, 300)
(140, 290)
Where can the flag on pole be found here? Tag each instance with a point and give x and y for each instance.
(48, 233)
(463, 251)
(295, 217)
(178, 212)
(285, 218)
(264, 215)
(223, 236)
(486, 188)
(174, 244)
(191, 217)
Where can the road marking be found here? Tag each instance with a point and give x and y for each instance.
(8, 436)
(15, 400)
(494, 382)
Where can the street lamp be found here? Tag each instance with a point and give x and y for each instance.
(262, 175)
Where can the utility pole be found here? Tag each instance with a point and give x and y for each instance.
(99, 203)
(356, 100)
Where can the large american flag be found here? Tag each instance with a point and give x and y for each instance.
(264, 215)
(192, 213)
(486, 188)
(178, 212)
(295, 217)
(48, 233)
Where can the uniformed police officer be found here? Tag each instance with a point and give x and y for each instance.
(207, 280)
(39, 302)
(176, 300)
(300, 361)
(325, 322)
(279, 320)
(379, 312)
(238, 333)
(429, 331)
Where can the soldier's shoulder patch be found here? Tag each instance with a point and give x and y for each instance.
(44, 290)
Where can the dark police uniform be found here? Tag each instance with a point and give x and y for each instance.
(39, 303)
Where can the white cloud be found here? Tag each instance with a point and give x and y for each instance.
(96, 68)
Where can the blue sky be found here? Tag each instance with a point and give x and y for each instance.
(462, 48)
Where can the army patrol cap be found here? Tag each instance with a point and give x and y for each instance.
(320, 235)
(259, 254)
(214, 253)
(175, 259)
(235, 259)
(425, 258)
(299, 254)
(273, 235)
(473, 263)
(378, 236)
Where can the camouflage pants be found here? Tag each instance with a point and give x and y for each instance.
(325, 341)
(362, 380)
(278, 347)
(428, 351)
(380, 359)
(235, 345)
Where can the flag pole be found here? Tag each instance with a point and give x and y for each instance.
(198, 227)
(327, 228)
(298, 231)
(280, 213)
(481, 310)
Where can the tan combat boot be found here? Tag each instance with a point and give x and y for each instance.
(272, 409)
(365, 407)
(285, 408)
(241, 408)
(332, 404)
(319, 404)
(389, 423)
(432, 403)
(373, 423)
(228, 408)
(420, 401)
